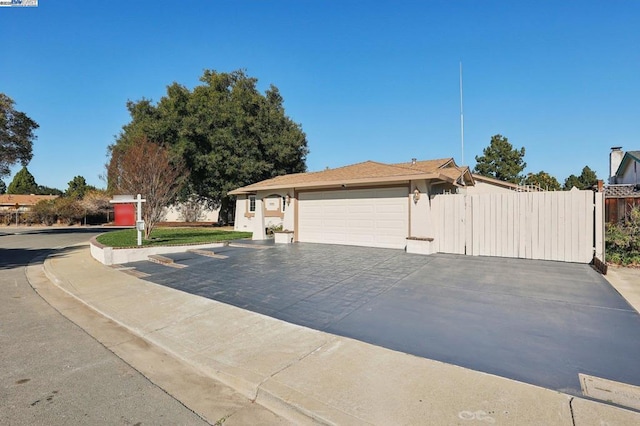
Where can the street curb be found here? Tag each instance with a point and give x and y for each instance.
(276, 393)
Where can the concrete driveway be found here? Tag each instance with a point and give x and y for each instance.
(534, 321)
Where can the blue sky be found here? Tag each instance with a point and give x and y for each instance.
(367, 80)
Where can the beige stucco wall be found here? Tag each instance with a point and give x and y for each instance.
(485, 188)
(420, 210)
(267, 202)
(173, 214)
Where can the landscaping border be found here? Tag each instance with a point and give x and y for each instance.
(115, 256)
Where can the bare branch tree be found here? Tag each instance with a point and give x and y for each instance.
(96, 201)
(145, 168)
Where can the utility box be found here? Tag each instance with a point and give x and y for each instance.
(140, 225)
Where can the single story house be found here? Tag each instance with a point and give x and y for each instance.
(368, 204)
(20, 202)
(623, 191)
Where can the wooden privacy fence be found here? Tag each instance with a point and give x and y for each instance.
(561, 225)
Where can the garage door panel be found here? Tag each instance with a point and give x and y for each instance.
(366, 224)
(372, 217)
(361, 209)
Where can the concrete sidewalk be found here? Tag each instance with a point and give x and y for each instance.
(627, 282)
(307, 376)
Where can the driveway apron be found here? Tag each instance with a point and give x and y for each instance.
(538, 322)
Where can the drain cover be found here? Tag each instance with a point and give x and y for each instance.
(610, 391)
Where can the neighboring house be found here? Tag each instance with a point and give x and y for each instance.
(369, 204)
(623, 191)
(191, 211)
(487, 185)
(23, 203)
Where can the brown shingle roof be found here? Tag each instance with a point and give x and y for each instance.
(360, 173)
(23, 200)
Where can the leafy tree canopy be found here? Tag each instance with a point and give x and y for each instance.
(16, 136)
(226, 131)
(543, 180)
(23, 183)
(3, 187)
(77, 188)
(46, 190)
(586, 180)
(501, 161)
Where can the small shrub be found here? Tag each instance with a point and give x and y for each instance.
(43, 212)
(69, 210)
(623, 240)
(274, 228)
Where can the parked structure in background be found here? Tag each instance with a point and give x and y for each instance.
(21, 203)
(190, 211)
(13, 207)
(623, 190)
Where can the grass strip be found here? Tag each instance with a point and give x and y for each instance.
(170, 237)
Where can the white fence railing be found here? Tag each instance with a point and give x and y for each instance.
(560, 225)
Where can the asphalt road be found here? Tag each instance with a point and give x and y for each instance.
(51, 371)
(533, 321)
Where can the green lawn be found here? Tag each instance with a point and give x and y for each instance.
(170, 236)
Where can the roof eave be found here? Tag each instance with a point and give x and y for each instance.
(342, 183)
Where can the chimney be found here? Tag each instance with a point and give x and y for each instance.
(413, 161)
(615, 158)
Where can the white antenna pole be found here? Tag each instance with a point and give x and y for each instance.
(461, 117)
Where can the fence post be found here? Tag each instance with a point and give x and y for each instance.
(599, 231)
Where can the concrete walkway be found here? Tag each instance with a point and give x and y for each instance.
(308, 376)
(627, 282)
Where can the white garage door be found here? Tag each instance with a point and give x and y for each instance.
(361, 217)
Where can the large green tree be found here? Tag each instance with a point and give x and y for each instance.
(16, 136)
(543, 180)
(500, 160)
(23, 183)
(77, 187)
(586, 180)
(3, 187)
(226, 131)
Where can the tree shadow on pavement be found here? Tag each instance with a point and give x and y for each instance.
(16, 257)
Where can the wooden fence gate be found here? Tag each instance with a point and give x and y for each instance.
(565, 226)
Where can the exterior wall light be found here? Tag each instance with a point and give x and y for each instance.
(287, 199)
(416, 195)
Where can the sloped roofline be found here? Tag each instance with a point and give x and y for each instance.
(382, 173)
(628, 156)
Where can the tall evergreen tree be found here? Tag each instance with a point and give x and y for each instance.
(23, 183)
(500, 160)
(77, 188)
(586, 180)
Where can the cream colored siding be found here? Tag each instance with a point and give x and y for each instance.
(362, 217)
(537, 225)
